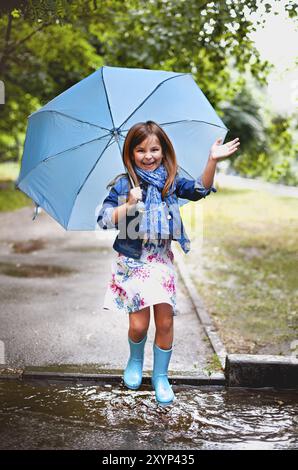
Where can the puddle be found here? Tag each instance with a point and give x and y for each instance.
(43, 415)
(28, 246)
(34, 270)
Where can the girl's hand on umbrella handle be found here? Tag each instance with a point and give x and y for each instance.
(135, 195)
(219, 152)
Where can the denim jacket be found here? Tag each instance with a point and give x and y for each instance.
(193, 190)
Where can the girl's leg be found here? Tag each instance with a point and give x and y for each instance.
(137, 337)
(139, 324)
(162, 351)
(163, 316)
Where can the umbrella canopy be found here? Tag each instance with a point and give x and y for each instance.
(73, 144)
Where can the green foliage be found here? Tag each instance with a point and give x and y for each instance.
(214, 365)
(284, 151)
(269, 142)
(47, 46)
(11, 199)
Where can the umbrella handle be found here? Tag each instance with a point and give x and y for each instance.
(130, 179)
(140, 206)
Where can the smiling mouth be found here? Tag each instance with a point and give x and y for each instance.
(148, 164)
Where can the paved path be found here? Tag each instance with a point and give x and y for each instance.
(233, 181)
(60, 320)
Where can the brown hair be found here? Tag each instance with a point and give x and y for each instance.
(136, 134)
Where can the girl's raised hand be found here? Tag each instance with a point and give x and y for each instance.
(219, 152)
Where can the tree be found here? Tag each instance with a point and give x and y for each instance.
(47, 46)
(269, 144)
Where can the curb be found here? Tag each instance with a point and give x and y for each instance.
(200, 310)
(241, 370)
(102, 378)
(248, 370)
(117, 378)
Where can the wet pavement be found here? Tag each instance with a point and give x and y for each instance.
(52, 284)
(52, 415)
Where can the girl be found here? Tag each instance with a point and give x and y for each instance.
(143, 273)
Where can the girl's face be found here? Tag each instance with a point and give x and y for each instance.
(148, 154)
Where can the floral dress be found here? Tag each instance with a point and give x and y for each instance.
(139, 283)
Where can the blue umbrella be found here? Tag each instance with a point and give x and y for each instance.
(74, 143)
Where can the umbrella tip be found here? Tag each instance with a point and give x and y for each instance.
(36, 211)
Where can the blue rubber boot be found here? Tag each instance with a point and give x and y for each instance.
(163, 390)
(133, 373)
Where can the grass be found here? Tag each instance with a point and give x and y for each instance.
(9, 171)
(11, 198)
(243, 261)
(213, 365)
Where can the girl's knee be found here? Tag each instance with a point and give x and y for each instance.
(136, 335)
(164, 325)
(138, 328)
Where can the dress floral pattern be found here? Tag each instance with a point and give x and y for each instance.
(139, 283)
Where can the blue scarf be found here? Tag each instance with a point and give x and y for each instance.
(155, 223)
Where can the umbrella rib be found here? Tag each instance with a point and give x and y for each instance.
(70, 117)
(108, 101)
(75, 147)
(108, 144)
(186, 172)
(107, 96)
(187, 120)
(59, 153)
(111, 141)
(147, 97)
(193, 120)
